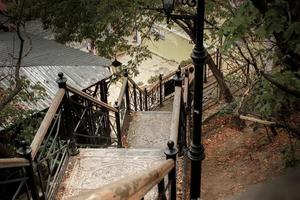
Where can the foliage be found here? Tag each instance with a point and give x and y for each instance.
(16, 91)
(268, 99)
(229, 109)
(153, 79)
(290, 157)
(109, 24)
(265, 36)
(185, 62)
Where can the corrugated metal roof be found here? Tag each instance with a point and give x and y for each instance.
(46, 59)
(46, 53)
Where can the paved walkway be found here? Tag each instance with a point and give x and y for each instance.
(93, 168)
(149, 129)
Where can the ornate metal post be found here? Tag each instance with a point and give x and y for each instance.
(127, 92)
(196, 151)
(146, 99)
(67, 114)
(161, 190)
(160, 90)
(171, 153)
(141, 100)
(25, 151)
(134, 98)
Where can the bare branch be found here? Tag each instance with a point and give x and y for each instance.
(288, 89)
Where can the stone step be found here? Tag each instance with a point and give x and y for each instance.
(93, 168)
(149, 129)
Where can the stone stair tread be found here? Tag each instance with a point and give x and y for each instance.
(93, 168)
(149, 129)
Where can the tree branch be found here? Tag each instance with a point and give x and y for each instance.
(287, 89)
(17, 79)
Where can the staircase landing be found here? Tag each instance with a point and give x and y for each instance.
(93, 168)
(149, 129)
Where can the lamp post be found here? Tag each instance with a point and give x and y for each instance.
(196, 150)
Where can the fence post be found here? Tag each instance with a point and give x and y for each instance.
(171, 153)
(118, 125)
(134, 97)
(187, 75)
(217, 58)
(178, 83)
(127, 92)
(25, 151)
(205, 73)
(161, 190)
(67, 114)
(146, 99)
(141, 100)
(160, 90)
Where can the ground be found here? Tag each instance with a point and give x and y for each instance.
(237, 158)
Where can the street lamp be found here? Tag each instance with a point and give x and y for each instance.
(196, 150)
(168, 6)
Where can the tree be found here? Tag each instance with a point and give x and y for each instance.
(109, 23)
(15, 89)
(265, 36)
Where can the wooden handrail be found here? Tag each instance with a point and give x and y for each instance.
(186, 90)
(131, 187)
(42, 131)
(156, 83)
(136, 85)
(13, 162)
(90, 98)
(122, 91)
(175, 115)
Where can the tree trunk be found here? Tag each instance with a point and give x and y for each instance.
(220, 79)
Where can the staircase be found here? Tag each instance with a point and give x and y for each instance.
(149, 129)
(145, 138)
(87, 149)
(74, 150)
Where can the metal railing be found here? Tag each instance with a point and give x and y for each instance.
(76, 118)
(73, 119)
(137, 186)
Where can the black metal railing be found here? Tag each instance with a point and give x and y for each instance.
(74, 119)
(84, 119)
(164, 175)
(14, 179)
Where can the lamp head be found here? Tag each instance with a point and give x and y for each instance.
(168, 6)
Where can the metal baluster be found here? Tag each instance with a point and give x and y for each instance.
(141, 100)
(171, 153)
(127, 93)
(160, 90)
(161, 190)
(62, 83)
(134, 97)
(146, 99)
(25, 151)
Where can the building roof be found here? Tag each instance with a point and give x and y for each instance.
(45, 53)
(46, 59)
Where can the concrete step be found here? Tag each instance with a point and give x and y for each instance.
(93, 168)
(149, 129)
